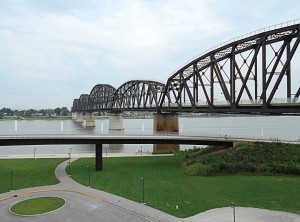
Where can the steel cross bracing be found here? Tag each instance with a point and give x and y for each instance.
(244, 76)
(138, 94)
(83, 103)
(132, 95)
(101, 97)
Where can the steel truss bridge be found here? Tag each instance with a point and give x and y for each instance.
(248, 75)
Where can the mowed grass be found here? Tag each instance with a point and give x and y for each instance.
(166, 185)
(27, 173)
(36, 206)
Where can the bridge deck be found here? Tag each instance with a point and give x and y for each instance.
(98, 140)
(12, 140)
(46, 139)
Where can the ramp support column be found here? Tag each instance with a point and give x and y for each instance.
(99, 160)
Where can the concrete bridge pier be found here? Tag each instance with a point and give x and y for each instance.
(74, 115)
(90, 120)
(116, 123)
(79, 117)
(164, 123)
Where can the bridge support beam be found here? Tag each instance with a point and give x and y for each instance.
(116, 123)
(99, 159)
(90, 120)
(165, 123)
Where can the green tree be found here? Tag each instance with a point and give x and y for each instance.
(7, 112)
(57, 111)
(49, 112)
(42, 111)
(30, 112)
(64, 111)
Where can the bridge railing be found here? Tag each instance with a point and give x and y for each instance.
(206, 135)
(222, 103)
(249, 101)
(287, 101)
(229, 136)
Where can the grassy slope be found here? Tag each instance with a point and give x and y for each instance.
(166, 185)
(255, 158)
(28, 173)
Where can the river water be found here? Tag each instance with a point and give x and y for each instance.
(276, 127)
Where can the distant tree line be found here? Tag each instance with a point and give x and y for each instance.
(32, 112)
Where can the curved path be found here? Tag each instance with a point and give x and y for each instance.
(89, 205)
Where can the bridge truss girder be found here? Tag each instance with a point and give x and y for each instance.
(253, 69)
(83, 103)
(101, 97)
(138, 95)
(75, 105)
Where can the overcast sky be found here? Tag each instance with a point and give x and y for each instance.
(52, 51)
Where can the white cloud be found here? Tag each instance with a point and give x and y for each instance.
(84, 44)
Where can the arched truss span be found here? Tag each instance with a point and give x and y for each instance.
(138, 94)
(75, 105)
(244, 76)
(101, 97)
(83, 103)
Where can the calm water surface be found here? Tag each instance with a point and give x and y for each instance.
(279, 127)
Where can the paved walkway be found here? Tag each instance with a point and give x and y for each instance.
(243, 214)
(89, 205)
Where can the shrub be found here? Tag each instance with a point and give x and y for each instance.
(197, 169)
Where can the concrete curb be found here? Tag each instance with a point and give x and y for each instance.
(34, 215)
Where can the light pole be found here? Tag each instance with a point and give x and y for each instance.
(143, 189)
(89, 175)
(233, 207)
(69, 164)
(11, 179)
(34, 153)
(70, 161)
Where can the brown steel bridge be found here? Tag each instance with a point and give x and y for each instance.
(250, 74)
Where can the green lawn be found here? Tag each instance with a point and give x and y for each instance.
(166, 185)
(27, 173)
(36, 206)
